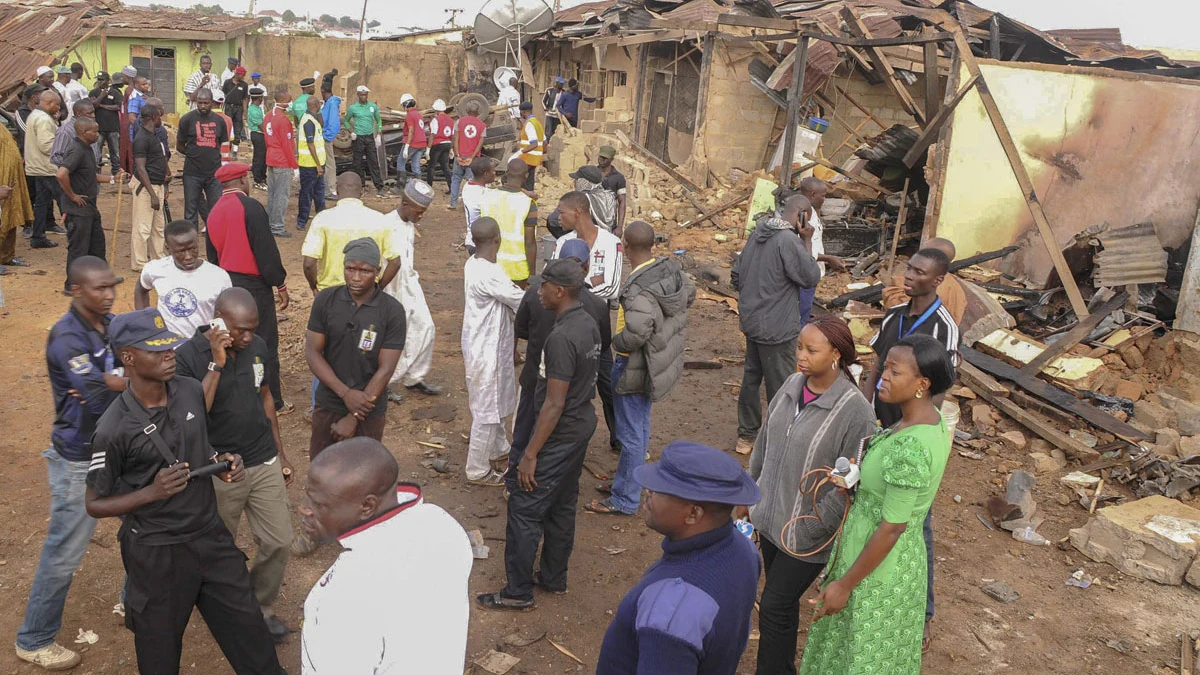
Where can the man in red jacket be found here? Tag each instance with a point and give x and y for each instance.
(280, 138)
(469, 131)
(240, 242)
(441, 137)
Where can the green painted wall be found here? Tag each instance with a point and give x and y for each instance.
(187, 61)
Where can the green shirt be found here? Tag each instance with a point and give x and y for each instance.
(254, 117)
(363, 118)
(299, 106)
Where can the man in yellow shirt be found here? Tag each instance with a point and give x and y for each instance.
(333, 228)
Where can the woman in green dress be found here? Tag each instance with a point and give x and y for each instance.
(871, 612)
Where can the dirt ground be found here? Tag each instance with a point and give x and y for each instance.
(1121, 625)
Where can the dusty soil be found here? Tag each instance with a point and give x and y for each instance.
(1119, 626)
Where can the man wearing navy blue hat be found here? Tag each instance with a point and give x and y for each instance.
(543, 481)
(176, 552)
(690, 613)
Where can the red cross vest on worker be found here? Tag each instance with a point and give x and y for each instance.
(445, 127)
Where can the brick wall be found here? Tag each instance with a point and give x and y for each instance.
(876, 97)
(739, 119)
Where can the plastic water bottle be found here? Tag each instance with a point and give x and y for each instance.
(1029, 535)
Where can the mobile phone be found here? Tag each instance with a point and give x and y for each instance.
(218, 324)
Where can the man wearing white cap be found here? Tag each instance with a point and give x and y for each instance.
(416, 142)
(363, 120)
(417, 356)
(441, 138)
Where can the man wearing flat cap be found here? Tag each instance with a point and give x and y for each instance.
(177, 554)
(299, 105)
(690, 613)
(406, 287)
(545, 488)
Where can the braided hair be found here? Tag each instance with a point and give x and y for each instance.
(838, 333)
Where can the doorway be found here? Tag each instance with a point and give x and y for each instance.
(157, 64)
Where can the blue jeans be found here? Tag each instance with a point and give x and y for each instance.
(806, 303)
(314, 393)
(927, 531)
(457, 176)
(633, 433)
(312, 193)
(414, 163)
(67, 538)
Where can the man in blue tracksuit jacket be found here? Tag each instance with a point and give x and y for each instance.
(331, 124)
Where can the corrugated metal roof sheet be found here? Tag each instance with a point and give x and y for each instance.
(144, 18)
(700, 11)
(581, 13)
(32, 34)
(1131, 255)
(1089, 34)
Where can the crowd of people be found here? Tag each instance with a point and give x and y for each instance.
(167, 417)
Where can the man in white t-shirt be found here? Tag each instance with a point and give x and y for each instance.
(511, 97)
(186, 284)
(395, 600)
(814, 189)
(604, 269)
(483, 173)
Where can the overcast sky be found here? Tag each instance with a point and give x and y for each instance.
(1146, 23)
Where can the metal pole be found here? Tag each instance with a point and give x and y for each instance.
(793, 111)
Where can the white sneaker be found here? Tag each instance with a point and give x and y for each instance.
(51, 657)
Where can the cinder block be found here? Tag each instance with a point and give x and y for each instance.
(589, 126)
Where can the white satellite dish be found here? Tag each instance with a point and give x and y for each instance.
(504, 26)
(502, 75)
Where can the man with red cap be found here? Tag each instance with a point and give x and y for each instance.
(240, 242)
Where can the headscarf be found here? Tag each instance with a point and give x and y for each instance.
(602, 203)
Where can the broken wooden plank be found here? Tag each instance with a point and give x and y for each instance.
(933, 83)
(899, 226)
(756, 22)
(930, 133)
(1018, 349)
(1022, 175)
(987, 387)
(1051, 394)
(706, 215)
(680, 178)
(795, 99)
(1074, 336)
(838, 118)
(775, 81)
(883, 65)
(868, 42)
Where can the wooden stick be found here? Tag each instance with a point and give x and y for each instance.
(899, 226)
(1187, 654)
(719, 210)
(112, 259)
(883, 65)
(1096, 497)
(871, 116)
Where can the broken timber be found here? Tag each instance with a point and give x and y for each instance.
(1022, 176)
(689, 185)
(995, 393)
(1074, 336)
(1051, 394)
(883, 65)
(930, 133)
(795, 99)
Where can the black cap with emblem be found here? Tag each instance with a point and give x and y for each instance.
(141, 329)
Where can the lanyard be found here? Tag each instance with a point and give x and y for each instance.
(920, 320)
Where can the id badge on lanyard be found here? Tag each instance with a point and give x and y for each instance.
(901, 333)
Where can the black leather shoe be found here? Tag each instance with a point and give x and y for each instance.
(42, 243)
(425, 388)
(277, 628)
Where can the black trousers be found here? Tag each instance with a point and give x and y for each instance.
(85, 236)
(551, 126)
(765, 364)
(268, 327)
(523, 424)
(604, 366)
(545, 515)
(236, 115)
(779, 608)
(440, 155)
(164, 583)
(529, 177)
(44, 195)
(364, 153)
(258, 166)
(200, 194)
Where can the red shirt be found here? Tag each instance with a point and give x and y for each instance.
(445, 127)
(227, 233)
(470, 136)
(414, 130)
(226, 148)
(281, 140)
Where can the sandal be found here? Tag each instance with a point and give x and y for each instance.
(537, 581)
(499, 602)
(604, 508)
(604, 488)
(926, 640)
(286, 409)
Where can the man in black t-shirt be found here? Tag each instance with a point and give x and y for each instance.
(79, 180)
(147, 239)
(177, 554)
(541, 506)
(107, 99)
(199, 139)
(231, 365)
(236, 91)
(614, 182)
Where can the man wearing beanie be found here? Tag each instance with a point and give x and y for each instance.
(690, 613)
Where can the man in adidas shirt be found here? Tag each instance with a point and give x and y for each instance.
(604, 269)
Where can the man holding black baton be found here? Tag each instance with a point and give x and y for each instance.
(148, 446)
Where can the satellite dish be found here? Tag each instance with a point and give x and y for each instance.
(502, 75)
(504, 26)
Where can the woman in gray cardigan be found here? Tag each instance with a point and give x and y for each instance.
(818, 416)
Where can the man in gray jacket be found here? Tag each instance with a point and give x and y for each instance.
(649, 342)
(769, 274)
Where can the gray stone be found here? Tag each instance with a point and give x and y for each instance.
(1153, 415)
(1155, 538)
(1189, 446)
(1001, 592)
(1186, 412)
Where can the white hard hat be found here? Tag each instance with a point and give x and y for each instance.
(362, 89)
(439, 105)
(406, 98)
(218, 96)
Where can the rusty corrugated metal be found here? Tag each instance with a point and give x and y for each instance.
(144, 18)
(1131, 255)
(32, 34)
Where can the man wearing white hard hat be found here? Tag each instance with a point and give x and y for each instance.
(441, 139)
(416, 142)
(363, 120)
(227, 145)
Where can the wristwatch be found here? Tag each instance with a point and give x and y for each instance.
(215, 368)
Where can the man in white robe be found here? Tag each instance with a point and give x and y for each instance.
(488, 344)
(417, 356)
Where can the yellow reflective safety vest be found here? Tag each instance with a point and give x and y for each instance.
(303, 156)
(509, 209)
(531, 130)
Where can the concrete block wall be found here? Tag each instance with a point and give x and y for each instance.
(739, 119)
(876, 97)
